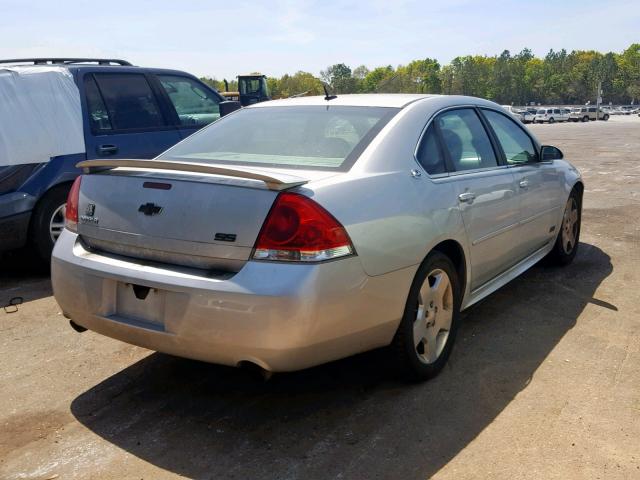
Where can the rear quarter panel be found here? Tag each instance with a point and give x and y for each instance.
(58, 170)
(393, 219)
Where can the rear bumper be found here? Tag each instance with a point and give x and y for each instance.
(280, 316)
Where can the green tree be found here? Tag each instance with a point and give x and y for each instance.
(377, 79)
(420, 76)
(560, 77)
(339, 77)
(629, 63)
(301, 83)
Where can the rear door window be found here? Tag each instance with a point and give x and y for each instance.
(194, 105)
(98, 115)
(516, 144)
(429, 153)
(466, 140)
(129, 100)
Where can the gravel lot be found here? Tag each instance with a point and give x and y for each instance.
(544, 381)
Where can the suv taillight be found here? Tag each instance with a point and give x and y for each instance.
(297, 229)
(71, 212)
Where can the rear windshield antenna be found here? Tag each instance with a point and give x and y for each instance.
(327, 97)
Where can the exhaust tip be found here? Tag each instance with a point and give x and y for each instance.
(77, 327)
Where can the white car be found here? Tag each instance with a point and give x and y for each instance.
(515, 113)
(551, 115)
(528, 116)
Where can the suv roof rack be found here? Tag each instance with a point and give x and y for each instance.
(68, 61)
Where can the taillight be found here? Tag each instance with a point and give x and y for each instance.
(297, 229)
(71, 213)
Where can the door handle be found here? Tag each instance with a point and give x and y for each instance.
(524, 183)
(107, 149)
(467, 197)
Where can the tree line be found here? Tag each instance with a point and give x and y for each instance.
(558, 78)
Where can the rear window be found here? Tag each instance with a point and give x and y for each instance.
(311, 137)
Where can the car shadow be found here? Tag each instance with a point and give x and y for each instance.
(23, 275)
(351, 418)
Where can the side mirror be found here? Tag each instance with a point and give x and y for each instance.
(228, 106)
(549, 153)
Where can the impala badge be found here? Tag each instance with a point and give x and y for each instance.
(150, 209)
(88, 214)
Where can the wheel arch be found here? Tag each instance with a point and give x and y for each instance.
(579, 188)
(454, 251)
(41, 199)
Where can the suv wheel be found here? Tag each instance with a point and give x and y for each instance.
(48, 220)
(551, 120)
(606, 117)
(585, 118)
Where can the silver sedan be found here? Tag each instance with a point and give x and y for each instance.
(300, 231)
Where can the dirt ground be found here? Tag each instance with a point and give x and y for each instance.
(544, 381)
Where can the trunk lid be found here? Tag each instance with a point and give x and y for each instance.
(171, 214)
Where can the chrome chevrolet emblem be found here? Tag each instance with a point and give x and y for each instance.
(150, 209)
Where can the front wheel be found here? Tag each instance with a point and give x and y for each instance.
(585, 118)
(605, 118)
(551, 120)
(427, 331)
(566, 246)
(48, 221)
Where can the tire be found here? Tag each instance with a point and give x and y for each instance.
(436, 280)
(551, 120)
(52, 203)
(606, 117)
(568, 239)
(585, 118)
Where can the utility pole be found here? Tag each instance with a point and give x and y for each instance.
(598, 100)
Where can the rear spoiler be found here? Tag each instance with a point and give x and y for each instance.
(274, 181)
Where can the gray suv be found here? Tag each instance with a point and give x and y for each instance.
(585, 114)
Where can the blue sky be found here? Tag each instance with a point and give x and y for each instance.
(223, 39)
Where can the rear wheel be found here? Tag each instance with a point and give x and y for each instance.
(428, 328)
(566, 246)
(48, 220)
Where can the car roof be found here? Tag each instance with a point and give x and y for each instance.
(73, 67)
(397, 100)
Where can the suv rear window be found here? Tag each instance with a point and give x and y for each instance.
(129, 100)
(312, 137)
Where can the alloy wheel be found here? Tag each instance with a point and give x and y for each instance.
(434, 316)
(570, 225)
(56, 223)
